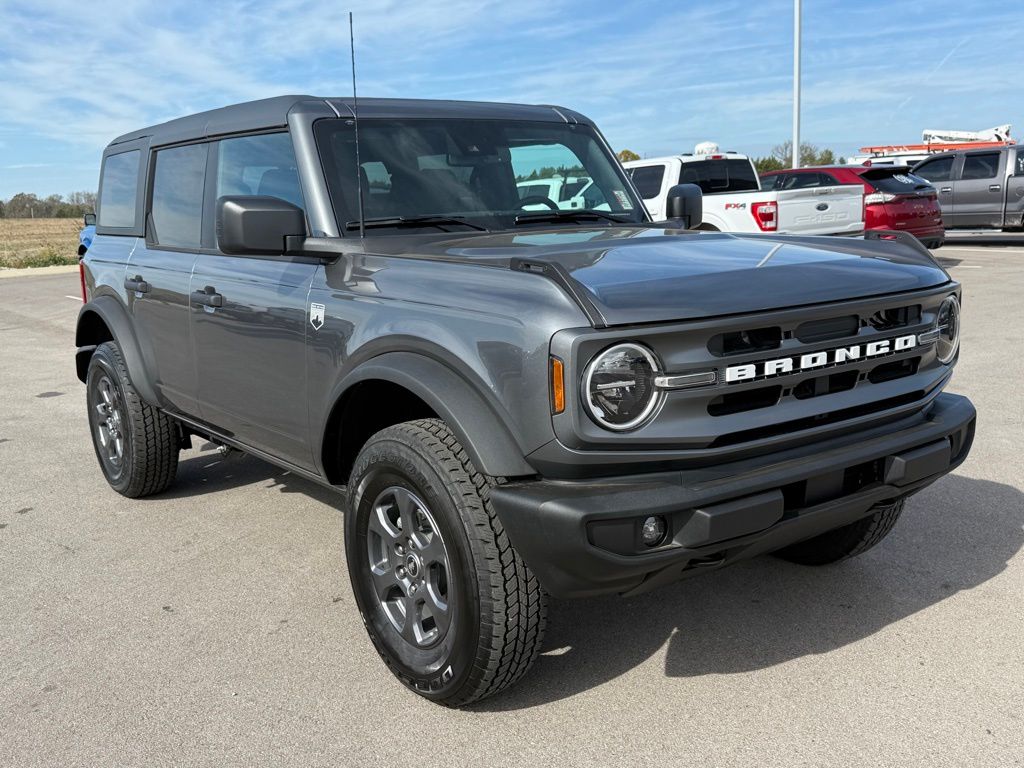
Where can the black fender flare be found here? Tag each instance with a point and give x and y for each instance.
(114, 315)
(486, 436)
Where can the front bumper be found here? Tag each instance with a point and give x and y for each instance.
(581, 537)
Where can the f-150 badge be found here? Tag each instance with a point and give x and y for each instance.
(316, 315)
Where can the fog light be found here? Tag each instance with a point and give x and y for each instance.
(653, 531)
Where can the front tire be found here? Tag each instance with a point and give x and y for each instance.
(137, 444)
(849, 541)
(448, 603)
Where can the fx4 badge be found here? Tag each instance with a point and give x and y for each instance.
(316, 315)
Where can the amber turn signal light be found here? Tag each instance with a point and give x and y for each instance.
(557, 386)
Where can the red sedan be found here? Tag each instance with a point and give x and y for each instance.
(894, 198)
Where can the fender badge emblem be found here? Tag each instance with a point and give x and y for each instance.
(316, 315)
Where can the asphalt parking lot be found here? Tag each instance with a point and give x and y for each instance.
(214, 624)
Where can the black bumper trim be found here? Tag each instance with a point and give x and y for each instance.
(722, 514)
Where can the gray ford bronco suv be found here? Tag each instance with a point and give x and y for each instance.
(519, 396)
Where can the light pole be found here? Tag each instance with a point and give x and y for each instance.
(796, 83)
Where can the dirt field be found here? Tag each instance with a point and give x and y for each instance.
(38, 242)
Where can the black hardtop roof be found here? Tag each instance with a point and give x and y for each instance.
(273, 113)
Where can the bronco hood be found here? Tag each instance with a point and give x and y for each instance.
(655, 275)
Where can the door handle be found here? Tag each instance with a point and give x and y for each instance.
(946, 189)
(993, 187)
(208, 297)
(136, 284)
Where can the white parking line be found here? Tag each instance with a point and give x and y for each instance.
(992, 250)
(73, 298)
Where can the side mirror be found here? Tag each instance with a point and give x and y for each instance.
(685, 201)
(257, 224)
(89, 219)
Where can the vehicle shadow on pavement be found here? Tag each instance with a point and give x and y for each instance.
(205, 471)
(953, 536)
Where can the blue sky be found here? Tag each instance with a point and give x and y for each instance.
(656, 76)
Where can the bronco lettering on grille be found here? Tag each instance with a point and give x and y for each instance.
(794, 363)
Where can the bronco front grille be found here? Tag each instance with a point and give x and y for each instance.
(751, 401)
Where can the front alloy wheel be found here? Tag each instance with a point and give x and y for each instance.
(408, 564)
(448, 603)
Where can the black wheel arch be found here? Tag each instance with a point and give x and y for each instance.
(438, 391)
(106, 319)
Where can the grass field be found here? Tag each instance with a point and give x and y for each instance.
(38, 242)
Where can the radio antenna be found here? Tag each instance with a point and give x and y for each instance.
(355, 121)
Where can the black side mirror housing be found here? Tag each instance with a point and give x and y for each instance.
(257, 224)
(89, 219)
(686, 202)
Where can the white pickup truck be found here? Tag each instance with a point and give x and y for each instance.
(735, 202)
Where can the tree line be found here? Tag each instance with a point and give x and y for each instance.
(26, 205)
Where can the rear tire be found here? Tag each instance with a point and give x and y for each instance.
(136, 444)
(842, 543)
(422, 541)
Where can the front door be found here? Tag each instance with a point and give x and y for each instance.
(249, 314)
(940, 172)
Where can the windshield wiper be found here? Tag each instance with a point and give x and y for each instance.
(579, 215)
(414, 221)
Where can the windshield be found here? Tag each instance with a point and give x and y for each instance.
(471, 174)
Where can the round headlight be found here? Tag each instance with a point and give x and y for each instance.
(948, 325)
(618, 387)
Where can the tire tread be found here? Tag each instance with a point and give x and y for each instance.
(846, 542)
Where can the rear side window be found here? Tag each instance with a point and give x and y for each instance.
(981, 166)
(940, 169)
(120, 189)
(720, 175)
(772, 182)
(1020, 164)
(177, 212)
(648, 180)
(259, 165)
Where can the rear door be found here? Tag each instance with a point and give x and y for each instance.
(249, 312)
(978, 193)
(160, 268)
(941, 171)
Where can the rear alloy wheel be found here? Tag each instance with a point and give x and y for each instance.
(448, 603)
(137, 445)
